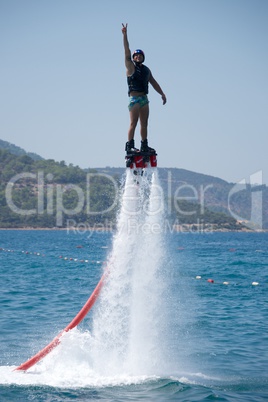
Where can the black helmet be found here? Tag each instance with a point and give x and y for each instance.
(138, 51)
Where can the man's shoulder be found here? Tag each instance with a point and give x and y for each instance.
(146, 69)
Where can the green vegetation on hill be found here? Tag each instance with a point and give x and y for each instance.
(45, 193)
(246, 203)
(189, 213)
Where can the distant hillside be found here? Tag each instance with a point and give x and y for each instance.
(15, 150)
(245, 202)
(45, 193)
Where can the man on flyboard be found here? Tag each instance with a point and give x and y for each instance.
(138, 78)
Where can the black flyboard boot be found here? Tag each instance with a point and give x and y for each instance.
(145, 148)
(130, 148)
(131, 151)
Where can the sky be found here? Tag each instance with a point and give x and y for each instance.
(63, 90)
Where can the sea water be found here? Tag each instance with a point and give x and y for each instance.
(159, 330)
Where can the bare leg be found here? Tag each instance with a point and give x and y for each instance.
(144, 116)
(134, 117)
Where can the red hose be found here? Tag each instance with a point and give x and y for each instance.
(56, 341)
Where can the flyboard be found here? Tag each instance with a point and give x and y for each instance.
(137, 161)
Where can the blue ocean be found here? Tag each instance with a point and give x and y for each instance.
(181, 317)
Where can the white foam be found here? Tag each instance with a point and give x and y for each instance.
(126, 342)
(126, 320)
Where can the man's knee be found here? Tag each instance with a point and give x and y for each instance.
(133, 124)
(144, 125)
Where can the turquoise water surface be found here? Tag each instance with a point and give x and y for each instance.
(210, 341)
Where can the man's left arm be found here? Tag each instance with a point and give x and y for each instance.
(157, 88)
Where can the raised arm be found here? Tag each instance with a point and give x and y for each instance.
(128, 62)
(158, 89)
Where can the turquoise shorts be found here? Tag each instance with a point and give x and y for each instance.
(141, 100)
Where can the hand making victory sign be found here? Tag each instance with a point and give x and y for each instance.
(124, 29)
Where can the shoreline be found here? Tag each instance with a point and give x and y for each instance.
(109, 229)
(106, 229)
